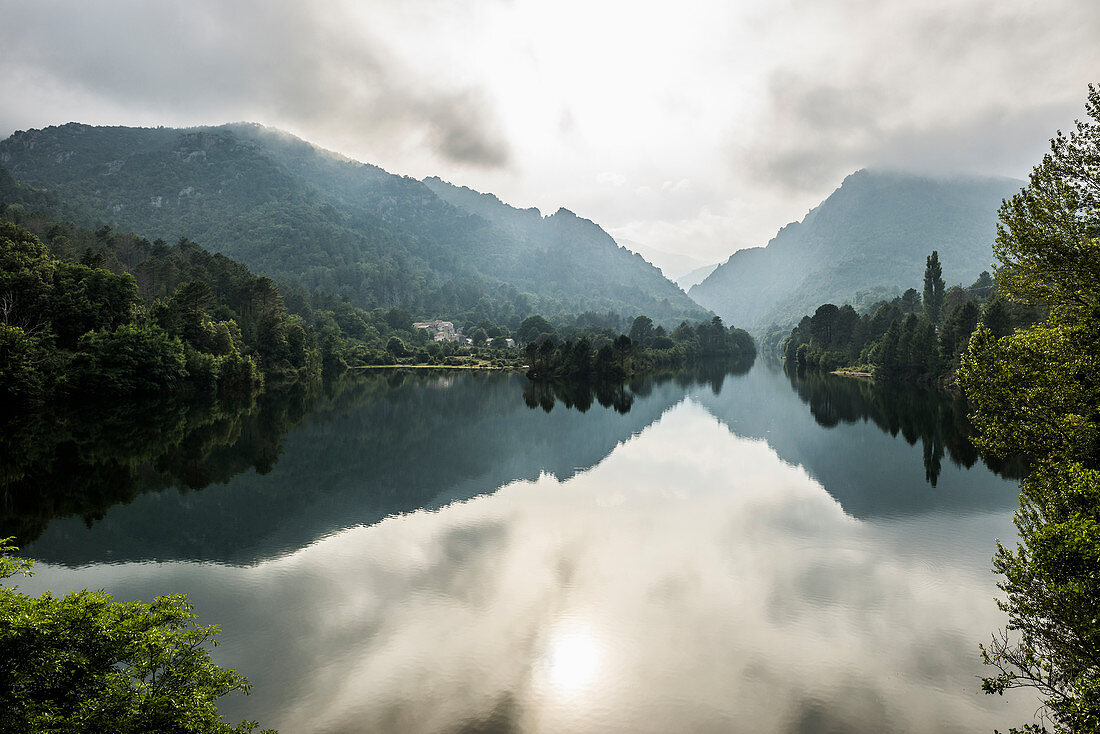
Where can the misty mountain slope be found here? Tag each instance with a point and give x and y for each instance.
(565, 247)
(696, 276)
(869, 238)
(293, 211)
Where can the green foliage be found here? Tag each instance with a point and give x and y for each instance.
(76, 319)
(600, 356)
(641, 331)
(896, 339)
(1036, 391)
(960, 323)
(84, 662)
(130, 360)
(21, 378)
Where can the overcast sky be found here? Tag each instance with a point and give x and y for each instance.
(697, 127)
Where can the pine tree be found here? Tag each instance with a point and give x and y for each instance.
(933, 288)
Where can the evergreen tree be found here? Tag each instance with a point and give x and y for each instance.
(887, 361)
(910, 301)
(641, 331)
(957, 328)
(933, 288)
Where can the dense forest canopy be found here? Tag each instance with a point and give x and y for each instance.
(912, 338)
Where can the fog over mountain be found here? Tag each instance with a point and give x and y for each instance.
(301, 214)
(868, 240)
(698, 128)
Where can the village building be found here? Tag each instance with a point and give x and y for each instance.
(441, 331)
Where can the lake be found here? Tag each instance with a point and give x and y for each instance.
(746, 552)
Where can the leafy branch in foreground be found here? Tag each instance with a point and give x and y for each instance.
(1037, 392)
(84, 662)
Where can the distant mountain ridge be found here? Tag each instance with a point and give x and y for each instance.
(298, 213)
(696, 276)
(868, 239)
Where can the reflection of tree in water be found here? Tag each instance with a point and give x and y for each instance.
(620, 397)
(389, 442)
(937, 420)
(81, 461)
(546, 395)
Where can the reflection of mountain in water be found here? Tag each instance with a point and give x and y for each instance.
(396, 443)
(387, 445)
(81, 462)
(857, 457)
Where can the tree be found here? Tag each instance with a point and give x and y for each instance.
(84, 662)
(983, 286)
(924, 352)
(622, 346)
(396, 347)
(886, 359)
(641, 330)
(910, 301)
(933, 288)
(20, 377)
(531, 328)
(1036, 391)
(996, 317)
(957, 328)
(131, 360)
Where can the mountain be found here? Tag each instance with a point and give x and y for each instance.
(566, 248)
(868, 240)
(696, 276)
(293, 211)
(673, 264)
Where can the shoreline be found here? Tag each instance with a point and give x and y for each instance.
(462, 367)
(852, 373)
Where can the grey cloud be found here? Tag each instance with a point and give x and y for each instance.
(277, 62)
(459, 130)
(831, 131)
(931, 89)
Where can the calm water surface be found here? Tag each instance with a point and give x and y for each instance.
(748, 553)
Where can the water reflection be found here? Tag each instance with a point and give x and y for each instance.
(394, 443)
(847, 440)
(620, 397)
(577, 395)
(692, 580)
(81, 462)
(382, 445)
(935, 419)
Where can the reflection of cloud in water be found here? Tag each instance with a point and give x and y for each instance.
(692, 581)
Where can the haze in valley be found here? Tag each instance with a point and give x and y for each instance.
(695, 130)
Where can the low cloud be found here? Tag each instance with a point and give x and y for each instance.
(934, 87)
(462, 130)
(763, 108)
(281, 63)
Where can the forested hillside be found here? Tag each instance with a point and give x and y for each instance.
(299, 214)
(866, 242)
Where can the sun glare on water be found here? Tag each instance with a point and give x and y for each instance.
(572, 661)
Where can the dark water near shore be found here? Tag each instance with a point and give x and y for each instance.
(756, 552)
